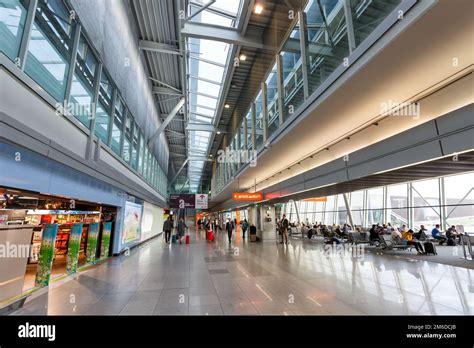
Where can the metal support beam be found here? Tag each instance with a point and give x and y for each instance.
(165, 90)
(201, 127)
(264, 112)
(348, 209)
(246, 145)
(304, 52)
(111, 120)
(281, 90)
(158, 47)
(349, 25)
(72, 65)
(165, 84)
(199, 159)
(254, 127)
(28, 26)
(178, 172)
(165, 123)
(204, 7)
(98, 77)
(314, 48)
(216, 33)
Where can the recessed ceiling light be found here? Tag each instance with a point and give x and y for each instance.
(227, 106)
(243, 57)
(218, 132)
(258, 9)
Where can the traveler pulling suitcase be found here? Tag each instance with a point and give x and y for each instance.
(430, 248)
(187, 239)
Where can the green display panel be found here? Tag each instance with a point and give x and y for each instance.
(73, 248)
(45, 262)
(92, 235)
(105, 243)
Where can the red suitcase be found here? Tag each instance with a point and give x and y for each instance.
(210, 236)
(187, 239)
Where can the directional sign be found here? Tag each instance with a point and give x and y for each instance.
(201, 201)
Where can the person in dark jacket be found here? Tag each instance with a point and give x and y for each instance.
(284, 229)
(245, 225)
(167, 227)
(229, 227)
(181, 229)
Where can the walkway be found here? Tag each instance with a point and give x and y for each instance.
(254, 278)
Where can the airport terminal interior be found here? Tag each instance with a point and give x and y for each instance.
(236, 157)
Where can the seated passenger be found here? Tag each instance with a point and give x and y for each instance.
(421, 234)
(436, 233)
(451, 235)
(373, 233)
(396, 237)
(408, 238)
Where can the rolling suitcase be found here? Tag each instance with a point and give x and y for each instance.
(210, 236)
(173, 239)
(187, 239)
(430, 248)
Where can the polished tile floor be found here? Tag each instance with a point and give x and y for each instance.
(303, 278)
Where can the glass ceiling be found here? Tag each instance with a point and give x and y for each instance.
(206, 70)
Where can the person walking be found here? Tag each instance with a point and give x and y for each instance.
(229, 227)
(167, 227)
(181, 229)
(245, 225)
(284, 230)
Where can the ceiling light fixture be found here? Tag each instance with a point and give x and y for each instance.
(218, 132)
(258, 9)
(227, 106)
(243, 57)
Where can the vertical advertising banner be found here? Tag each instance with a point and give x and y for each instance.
(74, 245)
(46, 255)
(92, 235)
(105, 243)
(131, 223)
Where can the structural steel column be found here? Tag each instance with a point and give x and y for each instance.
(348, 209)
(94, 109)
(349, 25)
(254, 126)
(304, 52)
(72, 65)
(245, 134)
(281, 91)
(264, 112)
(25, 41)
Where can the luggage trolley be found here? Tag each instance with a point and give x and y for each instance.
(466, 242)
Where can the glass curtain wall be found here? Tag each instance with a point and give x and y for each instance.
(272, 101)
(392, 204)
(12, 23)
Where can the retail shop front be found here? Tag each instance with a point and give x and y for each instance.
(44, 237)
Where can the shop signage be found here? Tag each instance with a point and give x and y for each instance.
(45, 262)
(201, 201)
(74, 245)
(92, 235)
(247, 196)
(105, 243)
(318, 199)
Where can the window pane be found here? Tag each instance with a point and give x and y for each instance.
(81, 100)
(49, 50)
(459, 193)
(117, 126)
(397, 201)
(375, 206)
(292, 73)
(102, 120)
(272, 101)
(357, 206)
(327, 39)
(426, 201)
(367, 15)
(12, 22)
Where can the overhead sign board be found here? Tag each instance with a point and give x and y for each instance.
(191, 201)
(318, 199)
(182, 201)
(201, 201)
(247, 196)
